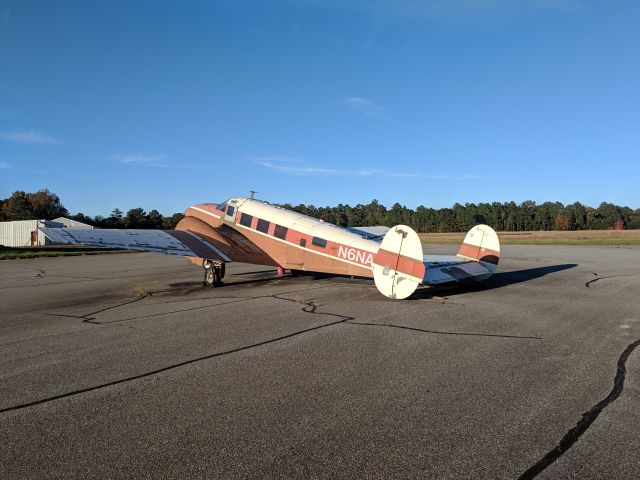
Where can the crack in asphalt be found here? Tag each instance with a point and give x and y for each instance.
(588, 284)
(87, 318)
(238, 299)
(308, 308)
(444, 332)
(88, 315)
(574, 434)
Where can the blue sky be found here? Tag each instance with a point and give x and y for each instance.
(162, 104)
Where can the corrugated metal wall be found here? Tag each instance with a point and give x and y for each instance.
(18, 232)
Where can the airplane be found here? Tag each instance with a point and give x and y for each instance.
(253, 231)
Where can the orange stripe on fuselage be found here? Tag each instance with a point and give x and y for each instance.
(313, 261)
(481, 254)
(407, 265)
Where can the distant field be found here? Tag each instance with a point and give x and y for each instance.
(8, 253)
(584, 237)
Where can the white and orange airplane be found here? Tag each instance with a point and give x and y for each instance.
(253, 231)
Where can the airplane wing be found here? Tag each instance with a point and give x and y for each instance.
(375, 233)
(172, 242)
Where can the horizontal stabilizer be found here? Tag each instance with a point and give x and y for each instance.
(171, 242)
(451, 268)
(477, 259)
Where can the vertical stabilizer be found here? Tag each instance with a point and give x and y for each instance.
(481, 244)
(398, 268)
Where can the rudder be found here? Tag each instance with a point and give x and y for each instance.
(481, 244)
(398, 267)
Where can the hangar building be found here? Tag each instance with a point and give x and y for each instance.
(24, 233)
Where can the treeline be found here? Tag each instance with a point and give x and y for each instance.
(44, 205)
(134, 218)
(508, 216)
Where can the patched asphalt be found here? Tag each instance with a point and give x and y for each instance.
(124, 366)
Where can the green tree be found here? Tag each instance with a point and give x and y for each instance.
(18, 207)
(115, 220)
(169, 223)
(609, 214)
(155, 219)
(117, 213)
(136, 218)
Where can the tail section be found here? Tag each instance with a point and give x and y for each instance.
(481, 244)
(398, 268)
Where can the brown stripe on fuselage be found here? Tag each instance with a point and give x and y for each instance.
(481, 254)
(400, 263)
(298, 258)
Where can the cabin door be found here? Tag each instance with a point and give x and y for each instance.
(296, 253)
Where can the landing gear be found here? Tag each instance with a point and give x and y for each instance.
(213, 273)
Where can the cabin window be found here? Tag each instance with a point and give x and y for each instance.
(246, 220)
(319, 242)
(263, 226)
(303, 242)
(230, 211)
(280, 232)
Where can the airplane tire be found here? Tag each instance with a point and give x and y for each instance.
(213, 275)
(217, 273)
(209, 278)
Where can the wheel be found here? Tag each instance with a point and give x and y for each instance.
(217, 275)
(209, 278)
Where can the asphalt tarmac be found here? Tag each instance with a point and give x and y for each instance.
(533, 373)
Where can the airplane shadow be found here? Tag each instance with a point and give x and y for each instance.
(266, 276)
(498, 280)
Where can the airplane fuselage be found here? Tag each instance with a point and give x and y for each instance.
(281, 237)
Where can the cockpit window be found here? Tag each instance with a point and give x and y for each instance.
(230, 210)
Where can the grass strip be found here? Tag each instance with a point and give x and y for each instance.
(580, 237)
